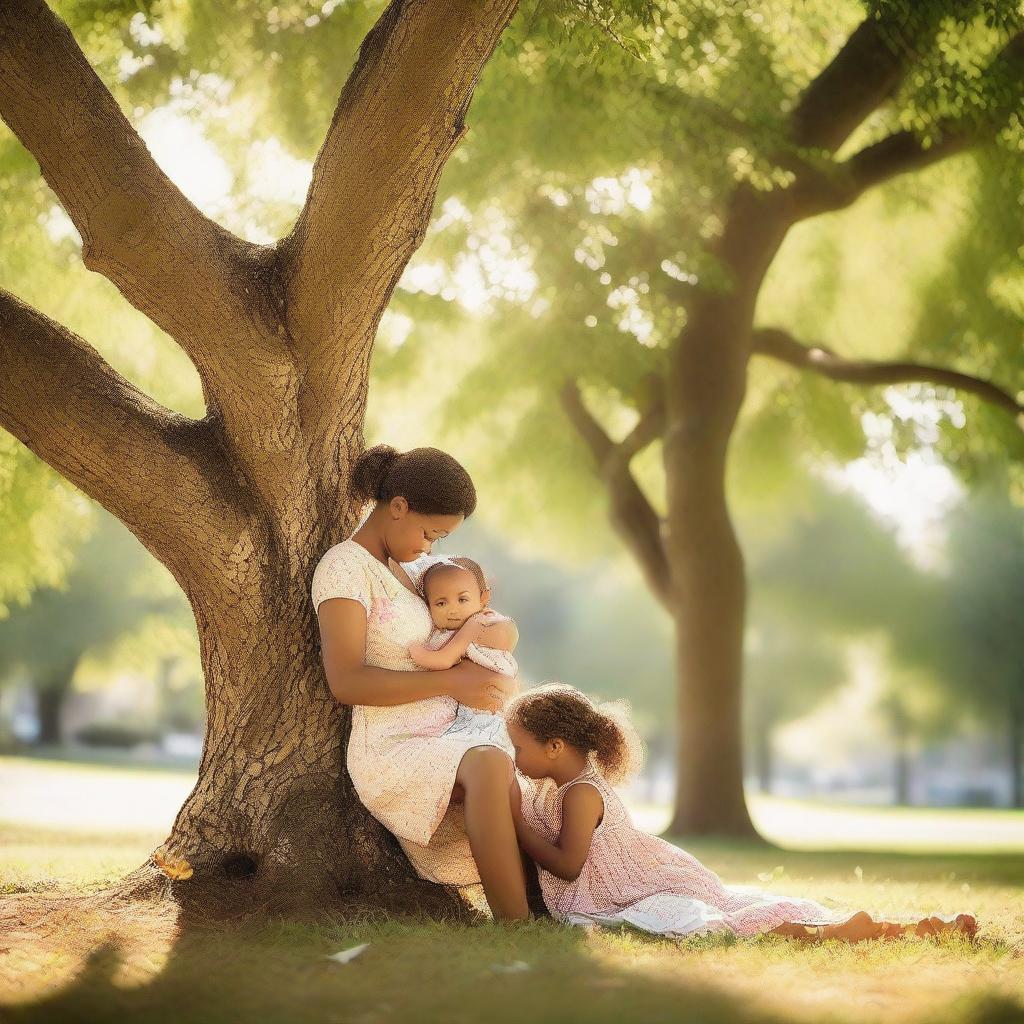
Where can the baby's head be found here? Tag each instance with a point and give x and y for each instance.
(544, 721)
(454, 589)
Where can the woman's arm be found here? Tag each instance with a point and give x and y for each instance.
(343, 646)
(582, 808)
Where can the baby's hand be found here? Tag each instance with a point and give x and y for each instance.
(480, 622)
(418, 652)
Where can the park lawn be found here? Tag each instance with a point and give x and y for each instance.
(140, 966)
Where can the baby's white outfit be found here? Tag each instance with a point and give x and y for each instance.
(485, 726)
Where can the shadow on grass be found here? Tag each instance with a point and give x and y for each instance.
(412, 971)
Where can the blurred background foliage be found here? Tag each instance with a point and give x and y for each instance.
(569, 230)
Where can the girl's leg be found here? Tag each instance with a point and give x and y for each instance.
(486, 775)
(862, 926)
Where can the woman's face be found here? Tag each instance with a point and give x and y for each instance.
(409, 534)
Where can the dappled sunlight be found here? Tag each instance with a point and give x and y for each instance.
(51, 942)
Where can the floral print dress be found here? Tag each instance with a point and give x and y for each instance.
(401, 758)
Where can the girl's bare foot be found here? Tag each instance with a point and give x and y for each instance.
(966, 924)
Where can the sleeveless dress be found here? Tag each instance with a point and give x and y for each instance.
(631, 877)
(401, 762)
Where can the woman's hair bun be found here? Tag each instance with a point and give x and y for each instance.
(430, 480)
(371, 470)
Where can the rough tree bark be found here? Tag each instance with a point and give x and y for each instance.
(691, 558)
(241, 504)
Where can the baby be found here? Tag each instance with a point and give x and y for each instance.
(457, 594)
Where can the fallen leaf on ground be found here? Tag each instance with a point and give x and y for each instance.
(512, 968)
(343, 956)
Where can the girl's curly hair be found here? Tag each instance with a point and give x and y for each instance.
(601, 729)
(429, 479)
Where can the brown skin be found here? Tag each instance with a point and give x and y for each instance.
(582, 805)
(485, 778)
(456, 602)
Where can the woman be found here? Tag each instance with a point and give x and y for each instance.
(448, 799)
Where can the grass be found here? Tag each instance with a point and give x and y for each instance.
(139, 966)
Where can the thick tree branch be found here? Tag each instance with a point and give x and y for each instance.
(137, 228)
(862, 75)
(781, 345)
(158, 471)
(836, 187)
(400, 116)
(205, 287)
(631, 513)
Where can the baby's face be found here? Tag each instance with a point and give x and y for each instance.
(453, 595)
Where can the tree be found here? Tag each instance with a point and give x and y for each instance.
(49, 636)
(692, 558)
(975, 647)
(648, 336)
(240, 504)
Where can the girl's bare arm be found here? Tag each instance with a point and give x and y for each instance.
(582, 808)
(351, 681)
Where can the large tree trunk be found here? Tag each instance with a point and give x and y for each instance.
(691, 558)
(273, 821)
(705, 387)
(241, 505)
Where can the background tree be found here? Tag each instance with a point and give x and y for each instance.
(739, 129)
(49, 637)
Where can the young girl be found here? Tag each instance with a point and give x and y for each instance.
(596, 867)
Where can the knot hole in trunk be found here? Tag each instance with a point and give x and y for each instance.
(239, 865)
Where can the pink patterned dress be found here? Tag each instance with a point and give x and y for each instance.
(401, 760)
(634, 878)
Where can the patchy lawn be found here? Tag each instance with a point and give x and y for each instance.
(140, 965)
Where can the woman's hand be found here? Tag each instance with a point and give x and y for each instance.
(480, 688)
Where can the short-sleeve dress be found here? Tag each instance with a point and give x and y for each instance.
(401, 763)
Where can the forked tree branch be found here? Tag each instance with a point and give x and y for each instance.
(198, 282)
(181, 269)
(835, 187)
(631, 513)
(399, 117)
